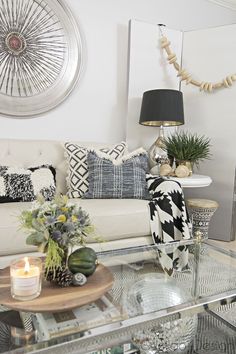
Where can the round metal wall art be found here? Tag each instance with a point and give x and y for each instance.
(40, 55)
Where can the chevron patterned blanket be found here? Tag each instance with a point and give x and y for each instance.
(169, 222)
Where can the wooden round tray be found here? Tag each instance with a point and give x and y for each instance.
(56, 299)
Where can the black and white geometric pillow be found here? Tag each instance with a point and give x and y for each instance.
(23, 185)
(77, 174)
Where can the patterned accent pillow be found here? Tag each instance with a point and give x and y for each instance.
(77, 179)
(123, 178)
(23, 185)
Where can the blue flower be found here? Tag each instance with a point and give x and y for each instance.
(56, 235)
(50, 220)
(69, 227)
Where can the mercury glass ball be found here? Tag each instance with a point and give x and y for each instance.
(154, 293)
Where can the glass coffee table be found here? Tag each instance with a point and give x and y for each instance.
(145, 311)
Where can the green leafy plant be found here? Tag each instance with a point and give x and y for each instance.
(185, 146)
(54, 227)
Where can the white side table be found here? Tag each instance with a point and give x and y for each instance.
(193, 181)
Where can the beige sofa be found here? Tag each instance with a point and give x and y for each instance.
(120, 222)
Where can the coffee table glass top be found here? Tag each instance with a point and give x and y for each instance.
(141, 296)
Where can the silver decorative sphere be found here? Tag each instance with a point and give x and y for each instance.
(154, 293)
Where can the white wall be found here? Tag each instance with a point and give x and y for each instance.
(210, 55)
(96, 110)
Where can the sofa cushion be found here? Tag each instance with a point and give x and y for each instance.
(113, 220)
(118, 218)
(77, 179)
(118, 179)
(20, 184)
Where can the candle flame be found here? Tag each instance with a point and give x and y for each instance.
(27, 265)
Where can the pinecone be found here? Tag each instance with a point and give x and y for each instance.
(49, 275)
(63, 277)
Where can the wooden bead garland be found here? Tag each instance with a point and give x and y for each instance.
(185, 76)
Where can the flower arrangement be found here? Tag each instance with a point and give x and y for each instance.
(55, 227)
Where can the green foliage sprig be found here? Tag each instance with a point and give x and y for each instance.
(54, 257)
(185, 146)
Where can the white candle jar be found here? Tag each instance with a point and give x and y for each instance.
(26, 278)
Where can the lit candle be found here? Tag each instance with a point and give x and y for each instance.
(26, 277)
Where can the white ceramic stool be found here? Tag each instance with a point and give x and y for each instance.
(201, 212)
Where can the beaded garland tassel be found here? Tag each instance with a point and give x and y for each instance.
(185, 76)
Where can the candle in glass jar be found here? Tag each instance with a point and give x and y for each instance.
(26, 277)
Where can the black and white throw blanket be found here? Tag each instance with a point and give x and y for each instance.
(169, 222)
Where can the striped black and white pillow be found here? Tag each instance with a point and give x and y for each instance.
(118, 179)
(77, 173)
(18, 184)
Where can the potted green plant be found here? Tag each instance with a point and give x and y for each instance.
(187, 148)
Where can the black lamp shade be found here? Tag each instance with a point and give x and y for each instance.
(162, 107)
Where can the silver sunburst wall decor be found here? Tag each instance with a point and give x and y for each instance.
(40, 55)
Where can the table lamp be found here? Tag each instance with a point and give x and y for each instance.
(161, 108)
